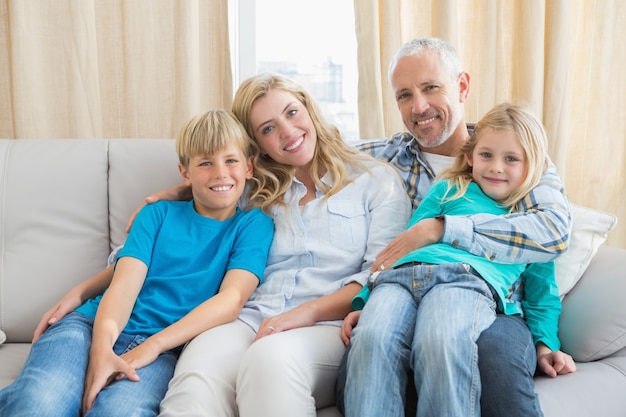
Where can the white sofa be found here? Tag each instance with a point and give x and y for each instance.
(64, 204)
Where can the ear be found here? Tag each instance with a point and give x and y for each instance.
(469, 159)
(464, 86)
(250, 169)
(184, 173)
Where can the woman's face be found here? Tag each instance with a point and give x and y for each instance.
(283, 128)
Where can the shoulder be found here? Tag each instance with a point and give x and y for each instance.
(256, 216)
(386, 148)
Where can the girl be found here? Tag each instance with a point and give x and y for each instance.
(443, 297)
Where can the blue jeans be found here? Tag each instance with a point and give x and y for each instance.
(507, 366)
(52, 380)
(437, 340)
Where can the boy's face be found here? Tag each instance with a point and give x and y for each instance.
(217, 181)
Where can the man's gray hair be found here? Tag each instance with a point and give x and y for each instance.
(449, 56)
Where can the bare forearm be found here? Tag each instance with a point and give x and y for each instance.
(334, 306)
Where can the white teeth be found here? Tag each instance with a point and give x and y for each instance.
(423, 122)
(295, 145)
(222, 188)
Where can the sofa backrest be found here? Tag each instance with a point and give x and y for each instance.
(64, 204)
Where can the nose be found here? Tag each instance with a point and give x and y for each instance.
(221, 170)
(496, 165)
(420, 104)
(285, 128)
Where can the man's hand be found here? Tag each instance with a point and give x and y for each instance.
(553, 363)
(179, 192)
(422, 233)
(349, 323)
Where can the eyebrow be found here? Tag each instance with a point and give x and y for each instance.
(291, 103)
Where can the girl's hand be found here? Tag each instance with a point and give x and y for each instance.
(349, 323)
(554, 363)
(104, 367)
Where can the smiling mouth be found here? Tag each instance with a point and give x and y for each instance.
(425, 122)
(221, 188)
(295, 145)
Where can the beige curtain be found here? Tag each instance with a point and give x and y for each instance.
(565, 58)
(114, 68)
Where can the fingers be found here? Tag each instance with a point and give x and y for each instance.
(266, 329)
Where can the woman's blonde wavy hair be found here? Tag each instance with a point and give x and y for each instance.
(532, 136)
(332, 157)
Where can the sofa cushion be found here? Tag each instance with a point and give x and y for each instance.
(589, 230)
(593, 321)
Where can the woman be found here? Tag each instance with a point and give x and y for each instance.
(334, 209)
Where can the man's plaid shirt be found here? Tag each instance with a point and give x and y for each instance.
(538, 233)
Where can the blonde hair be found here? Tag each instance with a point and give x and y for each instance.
(208, 133)
(332, 155)
(532, 136)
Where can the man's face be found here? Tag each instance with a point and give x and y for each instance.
(431, 104)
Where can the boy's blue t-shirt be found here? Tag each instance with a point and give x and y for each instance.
(187, 257)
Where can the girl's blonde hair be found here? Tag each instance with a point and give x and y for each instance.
(532, 136)
(332, 156)
(208, 133)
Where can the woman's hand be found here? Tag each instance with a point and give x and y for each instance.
(66, 305)
(300, 316)
(179, 192)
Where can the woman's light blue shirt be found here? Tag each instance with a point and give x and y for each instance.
(321, 247)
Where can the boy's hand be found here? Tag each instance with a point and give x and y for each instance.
(349, 323)
(554, 363)
(104, 367)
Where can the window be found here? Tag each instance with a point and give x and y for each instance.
(311, 41)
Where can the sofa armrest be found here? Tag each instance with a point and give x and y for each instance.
(593, 320)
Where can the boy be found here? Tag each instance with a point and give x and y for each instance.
(185, 267)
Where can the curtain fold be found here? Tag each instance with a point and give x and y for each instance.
(564, 58)
(90, 68)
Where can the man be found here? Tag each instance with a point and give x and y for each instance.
(430, 88)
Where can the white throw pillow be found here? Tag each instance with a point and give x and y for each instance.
(589, 230)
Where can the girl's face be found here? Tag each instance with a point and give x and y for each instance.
(283, 128)
(217, 181)
(498, 163)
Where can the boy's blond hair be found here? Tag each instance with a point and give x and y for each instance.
(208, 133)
(532, 136)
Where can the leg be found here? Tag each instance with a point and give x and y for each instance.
(205, 375)
(507, 362)
(51, 382)
(340, 385)
(379, 356)
(136, 399)
(289, 373)
(450, 319)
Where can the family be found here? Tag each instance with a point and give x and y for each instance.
(235, 292)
